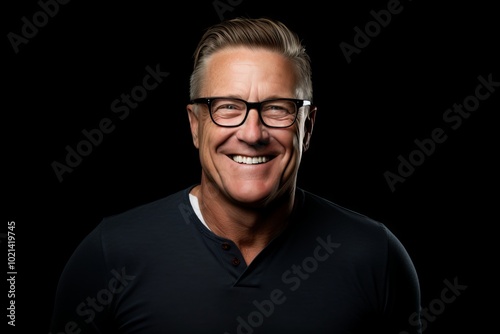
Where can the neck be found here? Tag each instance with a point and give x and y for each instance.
(251, 228)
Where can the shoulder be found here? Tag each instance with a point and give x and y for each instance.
(357, 232)
(324, 211)
(140, 229)
(362, 239)
(162, 213)
(134, 237)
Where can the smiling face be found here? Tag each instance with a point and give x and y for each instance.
(251, 164)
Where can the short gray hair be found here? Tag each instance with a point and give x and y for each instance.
(254, 33)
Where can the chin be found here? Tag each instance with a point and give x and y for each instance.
(251, 193)
(255, 194)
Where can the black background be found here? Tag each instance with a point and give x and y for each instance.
(394, 91)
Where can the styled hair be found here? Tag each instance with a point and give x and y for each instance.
(253, 33)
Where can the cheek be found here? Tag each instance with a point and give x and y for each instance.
(205, 131)
(296, 137)
(291, 143)
(206, 140)
(300, 134)
(212, 136)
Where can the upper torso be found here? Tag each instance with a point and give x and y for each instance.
(158, 269)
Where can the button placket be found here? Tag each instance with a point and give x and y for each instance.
(235, 261)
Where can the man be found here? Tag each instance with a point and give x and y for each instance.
(245, 250)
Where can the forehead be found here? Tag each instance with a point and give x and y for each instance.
(240, 71)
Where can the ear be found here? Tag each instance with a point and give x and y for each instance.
(193, 123)
(308, 127)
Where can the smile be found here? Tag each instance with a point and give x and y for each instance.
(250, 160)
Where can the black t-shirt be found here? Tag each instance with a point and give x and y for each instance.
(158, 269)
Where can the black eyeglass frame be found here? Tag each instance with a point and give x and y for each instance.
(251, 105)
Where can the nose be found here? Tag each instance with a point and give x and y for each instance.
(253, 131)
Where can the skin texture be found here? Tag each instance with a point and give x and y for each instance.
(248, 204)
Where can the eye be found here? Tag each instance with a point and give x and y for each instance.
(227, 105)
(276, 107)
(280, 107)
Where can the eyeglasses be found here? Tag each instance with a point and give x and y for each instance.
(232, 112)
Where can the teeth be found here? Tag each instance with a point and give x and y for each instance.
(249, 160)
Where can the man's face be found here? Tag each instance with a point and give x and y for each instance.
(251, 75)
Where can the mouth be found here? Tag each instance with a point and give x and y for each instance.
(246, 160)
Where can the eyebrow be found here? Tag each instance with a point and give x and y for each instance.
(272, 97)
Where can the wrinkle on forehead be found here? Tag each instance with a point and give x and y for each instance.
(254, 74)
